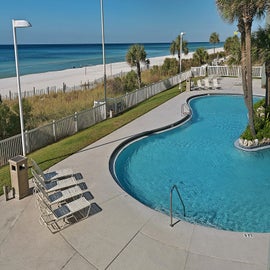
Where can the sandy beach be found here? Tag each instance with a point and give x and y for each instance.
(75, 76)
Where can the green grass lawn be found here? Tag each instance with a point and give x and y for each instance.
(54, 153)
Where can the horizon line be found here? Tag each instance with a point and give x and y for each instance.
(99, 43)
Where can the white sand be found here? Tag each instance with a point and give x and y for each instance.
(72, 77)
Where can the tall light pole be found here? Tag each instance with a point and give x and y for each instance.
(103, 56)
(19, 24)
(180, 59)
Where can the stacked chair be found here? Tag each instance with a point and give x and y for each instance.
(59, 174)
(216, 84)
(62, 201)
(208, 83)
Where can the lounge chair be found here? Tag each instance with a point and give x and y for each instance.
(193, 86)
(199, 84)
(207, 84)
(216, 85)
(58, 174)
(59, 196)
(62, 216)
(54, 186)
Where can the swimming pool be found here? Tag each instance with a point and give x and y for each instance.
(221, 186)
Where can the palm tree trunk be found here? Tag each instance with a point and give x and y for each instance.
(267, 85)
(243, 63)
(249, 80)
(139, 73)
(246, 67)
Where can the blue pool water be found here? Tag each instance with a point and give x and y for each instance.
(221, 186)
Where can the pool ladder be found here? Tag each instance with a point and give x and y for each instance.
(185, 110)
(174, 187)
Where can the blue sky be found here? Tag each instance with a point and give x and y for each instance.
(130, 21)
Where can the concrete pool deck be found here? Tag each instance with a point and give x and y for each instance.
(125, 234)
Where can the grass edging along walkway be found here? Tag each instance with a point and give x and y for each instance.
(47, 156)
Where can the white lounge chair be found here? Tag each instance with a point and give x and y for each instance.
(54, 186)
(58, 174)
(62, 216)
(199, 84)
(193, 86)
(59, 196)
(216, 85)
(207, 84)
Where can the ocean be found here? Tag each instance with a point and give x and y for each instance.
(40, 58)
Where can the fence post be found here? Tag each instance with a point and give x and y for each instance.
(76, 121)
(126, 100)
(115, 106)
(54, 130)
(94, 113)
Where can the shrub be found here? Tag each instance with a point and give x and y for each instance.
(247, 134)
(130, 81)
(186, 64)
(259, 104)
(9, 122)
(115, 86)
(170, 67)
(155, 70)
(262, 124)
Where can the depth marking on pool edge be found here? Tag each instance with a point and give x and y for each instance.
(248, 235)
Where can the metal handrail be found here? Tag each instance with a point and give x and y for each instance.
(174, 187)
(183, 107)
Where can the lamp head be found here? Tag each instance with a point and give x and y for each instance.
(20, 24)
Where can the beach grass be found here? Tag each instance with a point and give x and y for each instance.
(43, 109)
(54, 153)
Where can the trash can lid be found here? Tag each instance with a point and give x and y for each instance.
(18, 158)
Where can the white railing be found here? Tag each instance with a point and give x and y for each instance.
(199, 71)
(233, 71)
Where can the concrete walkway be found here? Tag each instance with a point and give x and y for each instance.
(125, 234)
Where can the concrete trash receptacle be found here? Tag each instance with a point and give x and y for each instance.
(19, 176)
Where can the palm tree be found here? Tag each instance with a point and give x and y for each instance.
(261, 50)
(244, 12)
(214, 38)
(232, 48)
(175, 47)
(135, 55)
(200, 56)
